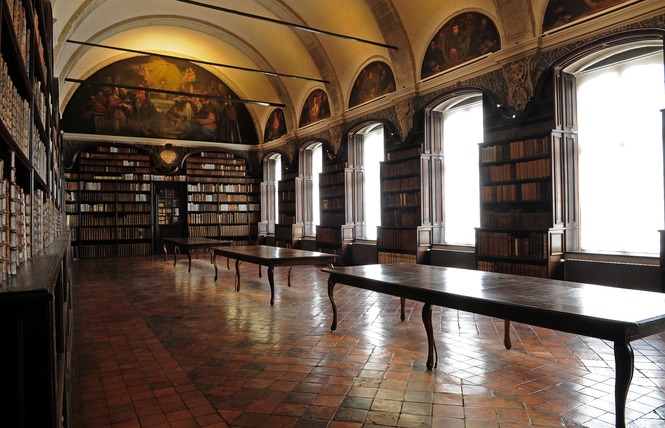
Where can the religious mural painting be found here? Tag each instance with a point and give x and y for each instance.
(118, 111)
(463, 38)
(316, 108)
(560, 12)
(373, 81)
(276, 126)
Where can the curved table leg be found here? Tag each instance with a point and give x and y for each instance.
(271, 280)
(189, 259)
(625, 362)
(237, 284)
(506, 334)
(331, 287)
(214, 263)
(175, 254)
(260, 272)
(166, 254)
(431, 346)
(289, 277)
(402, 315)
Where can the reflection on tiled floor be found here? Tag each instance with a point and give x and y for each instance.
(156, 346)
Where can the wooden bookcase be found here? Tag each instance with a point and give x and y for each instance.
(517, 233)
(332, 235)
(34, 283)
(401, 238)
(109, 203)
(288, 232)
(222, 197)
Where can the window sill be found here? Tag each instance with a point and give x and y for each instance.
(642, 259)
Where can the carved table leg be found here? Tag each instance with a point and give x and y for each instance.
(166, 254)
(331, 287)
(431, 346)
(271, 280)
(506, 334)
(175, 254)
(402, 301)
(189, 259)
(214, 263)
(289, 276)
(625, 362)
(237, 284)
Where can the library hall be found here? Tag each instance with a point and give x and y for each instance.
(332, 214)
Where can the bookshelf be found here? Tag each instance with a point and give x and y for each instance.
(288, 232)
(222, 197)
(332, 234)
(517, 233)
(34, 281)
(109, 203)
(401, 238)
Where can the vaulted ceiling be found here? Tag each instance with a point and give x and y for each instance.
(400, 29)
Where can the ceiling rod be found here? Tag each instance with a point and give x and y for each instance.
(288, 24)
(235, 67)
(178, 93)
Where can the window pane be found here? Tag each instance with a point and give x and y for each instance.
(621, 157)
(278, 176)
(372, 156)
(316, 170)
(462, 132)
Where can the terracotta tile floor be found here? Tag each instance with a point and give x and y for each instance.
(156, 346)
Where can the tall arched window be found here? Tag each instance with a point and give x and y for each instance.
(455, 130)
(272, 173)
(307, 185)
(616, 97)
(366, 153)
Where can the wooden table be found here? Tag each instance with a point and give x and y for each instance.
(615, 314)
(189, 243)
(266, 255)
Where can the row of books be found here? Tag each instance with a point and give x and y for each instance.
(516, 192)
(41, 58)
(326, 179)
(116, 176)
(399, 218)
(396, 238)
(220, 230)
(538, 168)
(130, 219)
(39, 159)
(533, 246)
(217, 173)
(407, 167)
(406, 199)
(14, 109)
(128, 159)
(522, 149)
(516, 219)
(115, 169)
(233, 165)
(513, 268)
(223, 188)
(223, 197)
(414, 151)
(332, 203)
(332, 218)
(411, 183)
(238, 206)
(336, 190)
(111, 250)
(223, 217)
(385, 257)
(112, 233)
(18, 16)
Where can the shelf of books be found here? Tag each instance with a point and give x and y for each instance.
(109, 203)
(516, 234)
(222, 197)
(332, 235)
(35, 330)
(401, 238)
(287, 232)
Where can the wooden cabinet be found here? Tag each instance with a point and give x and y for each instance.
(222, 197)
(517, 233)
(401, 238)
(35, 331)
(109, 203)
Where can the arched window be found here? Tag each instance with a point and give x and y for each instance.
(455, 128)
(366, 153)
(307, 185)
(272, 173)
(614, 122)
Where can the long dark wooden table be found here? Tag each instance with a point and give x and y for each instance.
(266, 255)
(615, 314)
(189, 243)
